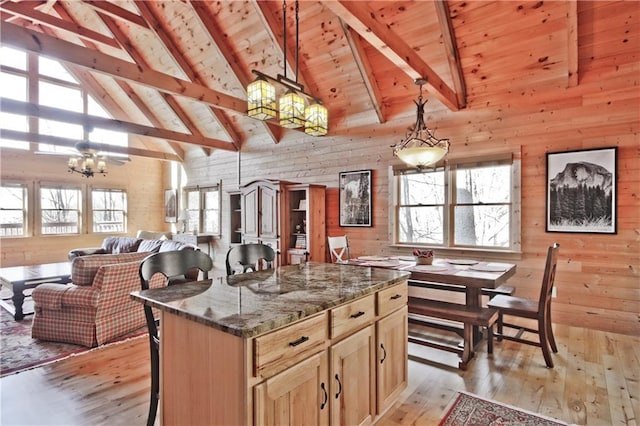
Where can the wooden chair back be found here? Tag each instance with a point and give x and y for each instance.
(546, 291)
(251, 257)
(339, 249)
(177, 266)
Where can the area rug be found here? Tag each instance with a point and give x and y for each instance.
(471, 410)
(19, 351)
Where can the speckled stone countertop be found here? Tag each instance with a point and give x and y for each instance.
(247, 305)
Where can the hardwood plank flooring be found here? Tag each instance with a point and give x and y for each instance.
(596, 381)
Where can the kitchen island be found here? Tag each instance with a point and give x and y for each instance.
(316, 343)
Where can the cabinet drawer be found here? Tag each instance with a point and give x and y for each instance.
(352, 316)
(391, 299)
(282, 348)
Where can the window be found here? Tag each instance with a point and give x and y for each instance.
(13, 210)
(109, 207)
(463, 205)
(203, 209)
(60, 210)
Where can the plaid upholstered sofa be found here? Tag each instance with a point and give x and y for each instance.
(96, 307)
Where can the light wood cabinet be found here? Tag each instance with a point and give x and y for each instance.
(391, 350)
(306, 223)
(297, 396)
(352, 378)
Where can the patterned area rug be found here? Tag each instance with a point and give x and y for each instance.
(19, 351)
(471, 410)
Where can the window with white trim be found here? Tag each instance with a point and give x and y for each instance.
(109, 210)
(466, 204)
(60, 210)
(13, 210)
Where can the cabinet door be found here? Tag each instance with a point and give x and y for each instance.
(250, 213)
(297, 396)
(268, 217)
(352, 378)
(391, 365)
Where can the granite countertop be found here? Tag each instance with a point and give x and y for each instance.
(247, 305)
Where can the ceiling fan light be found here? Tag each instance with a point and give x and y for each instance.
(261, 100)
(316, 120)
(291, 108)
(102, 166)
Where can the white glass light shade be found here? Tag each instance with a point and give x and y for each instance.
(291, 110)
(102, 166)
(73, 163)
(421, 156)
(316, 120)
(261, 100)
(88, 163)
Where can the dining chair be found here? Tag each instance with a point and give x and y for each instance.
(339, 249)
(250, 257)
(177, 266)
(539, 310)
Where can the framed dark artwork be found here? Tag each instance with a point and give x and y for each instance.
(582, 191)
(355, 198)
(171, 205)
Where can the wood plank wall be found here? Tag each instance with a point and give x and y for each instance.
(598, 278)
(142, 178)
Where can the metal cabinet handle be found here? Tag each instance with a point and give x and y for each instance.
(384, 353)
(326, 396)
(339, 386)
(396, 296)
(299, 341)
(357, 314)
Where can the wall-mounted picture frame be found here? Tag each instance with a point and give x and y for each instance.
(355, 198)
(582, 191)
(171, 205)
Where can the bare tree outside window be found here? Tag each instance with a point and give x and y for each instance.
(109, 210)
(13, 209)
(60, 210)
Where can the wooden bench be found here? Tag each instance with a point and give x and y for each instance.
(421, 310)
(491, 292)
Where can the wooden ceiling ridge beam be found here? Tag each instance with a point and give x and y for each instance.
(139, 59)
(71, 143)
(164, 35)
(366, 70)
(360, 17)
(451, 48)
(22, 38)
(25, 10)
(34, 110)
(219, 42)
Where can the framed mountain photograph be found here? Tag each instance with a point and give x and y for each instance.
(581, 191)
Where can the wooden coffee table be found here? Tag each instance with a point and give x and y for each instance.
(20, 278)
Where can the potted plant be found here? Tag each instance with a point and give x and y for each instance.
(423, 257)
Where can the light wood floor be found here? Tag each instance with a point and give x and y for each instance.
(596, 381)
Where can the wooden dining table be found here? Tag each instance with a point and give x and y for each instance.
(468, 275)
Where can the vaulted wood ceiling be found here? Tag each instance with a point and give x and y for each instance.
(174, 72)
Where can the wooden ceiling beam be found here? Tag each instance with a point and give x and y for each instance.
(22, 38)
(71, 143)
(366, 71)
(34, 110)
(141, 61)
(117, 12)
(451, 48)
(24, 10)
(363, 20)
(219, 42)
(164, 35)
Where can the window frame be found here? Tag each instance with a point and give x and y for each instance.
(39, 210)
(91, 211)
(201, 191)
(25, 209)
(450, 167)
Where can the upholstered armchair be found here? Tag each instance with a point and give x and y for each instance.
(96, 307)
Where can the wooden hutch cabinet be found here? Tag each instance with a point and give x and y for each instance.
(288, 216)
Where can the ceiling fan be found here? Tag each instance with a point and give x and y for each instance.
(91, 158)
